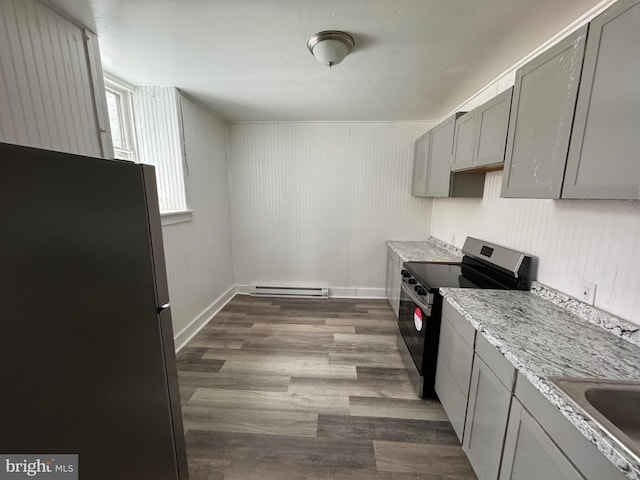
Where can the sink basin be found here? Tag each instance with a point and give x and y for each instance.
(615, 405)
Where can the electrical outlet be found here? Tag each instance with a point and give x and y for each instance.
(587, 292)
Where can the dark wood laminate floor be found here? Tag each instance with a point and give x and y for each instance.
(306, 389)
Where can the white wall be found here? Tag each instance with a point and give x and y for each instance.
(313, 203)
(198, 252)
(598, 241)
(159, 142)
(46, 82)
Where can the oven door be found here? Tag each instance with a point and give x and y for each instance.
(413, 322)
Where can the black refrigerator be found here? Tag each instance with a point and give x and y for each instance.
(87, 361)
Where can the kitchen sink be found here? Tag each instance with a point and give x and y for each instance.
(615, 405)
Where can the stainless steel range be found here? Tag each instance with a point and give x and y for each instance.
(484, 265)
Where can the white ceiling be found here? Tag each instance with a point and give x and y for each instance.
(248, 60)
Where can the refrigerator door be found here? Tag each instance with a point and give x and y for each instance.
(82, 358)
(171, 368)
(155, 232)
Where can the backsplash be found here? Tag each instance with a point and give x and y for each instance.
(619, 327)
(594, 240)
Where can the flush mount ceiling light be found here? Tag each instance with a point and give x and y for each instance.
(330, 47)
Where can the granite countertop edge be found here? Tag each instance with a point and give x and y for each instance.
(430, 250)
(573, 412)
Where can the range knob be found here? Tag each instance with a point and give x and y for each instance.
(420, 291)
(405, 274)
(412, 281)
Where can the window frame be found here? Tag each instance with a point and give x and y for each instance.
(124, 92)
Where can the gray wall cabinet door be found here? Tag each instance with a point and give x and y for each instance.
(529, 453)
(481, 134)
(544, 100)
(420, 162)
(464, 142)
(486, 421)
(439, 166)
(603, 157)
(493, 121)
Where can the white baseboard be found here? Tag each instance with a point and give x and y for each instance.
(201, 320)
(336, 292)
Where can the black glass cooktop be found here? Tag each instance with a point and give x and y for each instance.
(435, 275)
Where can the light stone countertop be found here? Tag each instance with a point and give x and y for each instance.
(431, 250)
(542, 340)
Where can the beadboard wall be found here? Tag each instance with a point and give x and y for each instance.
(159, 140)
(595, 240)
(198, 252)
(314, 203)
(46, 81)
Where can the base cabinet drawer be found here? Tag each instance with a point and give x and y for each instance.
(529, 453)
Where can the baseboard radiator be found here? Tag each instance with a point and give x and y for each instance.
(302, 292)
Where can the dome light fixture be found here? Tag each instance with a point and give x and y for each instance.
(330, 46)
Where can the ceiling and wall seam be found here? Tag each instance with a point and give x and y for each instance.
(572, 27)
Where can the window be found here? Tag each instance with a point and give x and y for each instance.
(146, 127)
(120, 119)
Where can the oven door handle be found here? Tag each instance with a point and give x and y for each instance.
(426, 308)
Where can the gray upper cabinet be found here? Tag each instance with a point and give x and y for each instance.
(493, 122)
(439, 168)
(544, 100)
(420, 165)
(464, 143)
(432, 175)
(481, 135)
(603, 155)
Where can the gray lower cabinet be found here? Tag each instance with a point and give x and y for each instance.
(603, 155)
(509, 430)
(481, 134)
(420, 165)
(582, 454)
(393, 280)
(544, 100)
(529, 453)
(453, 368)
(488, 410)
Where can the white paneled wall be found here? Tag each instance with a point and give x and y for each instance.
(198, 252)
(46, 96)
(313, 203)
(595, 240)
(159, 139)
